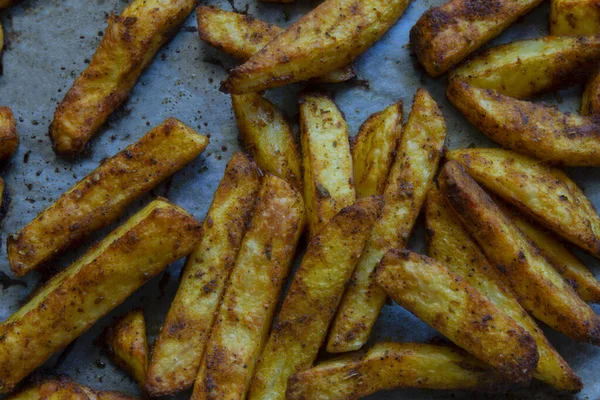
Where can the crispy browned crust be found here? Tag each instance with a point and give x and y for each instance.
(590, 103)
(8, 129)
(99, 198)
(537, 130)
(63, 388)
(574, 17)
(128, 46)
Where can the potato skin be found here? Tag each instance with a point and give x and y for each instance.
(63, 388)
(533, 129)
(574, 17)
(128, 46)
(180, 345)
(73, 300)
(99, 198)
(313, 298)
(590, 103)
(9, 139)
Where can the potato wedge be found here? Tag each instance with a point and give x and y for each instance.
(445, 35)
(99, 198)
(450, 243)
(128, 46)
(128, 345)
(536, 130)
(246, 312)
(328, 181)
(180, 345)
(8, 132)
(408, 182)
(374, 149)
(313, 298)
(73, 300)
(541, 289)
(242, 36)
(546, 194)
(266, 134)
(574, 17)
(63, 388)
(590, 103)
(523, 68)
(325, 39)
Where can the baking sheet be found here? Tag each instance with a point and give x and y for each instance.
(49, 44)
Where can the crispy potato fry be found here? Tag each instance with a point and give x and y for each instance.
(128, 46)
(313, 298)
(99, 198)
(328, 182)
(246, 312)
(242, 36)
(8, 131)
(128, 345)
(574, 17)
(374, 149)
(449, 243)
(180, 345)
(73, 300)
(590, 103)
(267, 135)
(541, 289)
(536, 130)
(523, 68)
(325, 39)
(63, 388)
(546, 194)
(408, 182)
(460, 312)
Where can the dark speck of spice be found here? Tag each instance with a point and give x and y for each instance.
(26, 157)
(100, 364)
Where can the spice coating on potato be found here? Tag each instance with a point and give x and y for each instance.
(574, 17)
(9, 138)
(63, 388)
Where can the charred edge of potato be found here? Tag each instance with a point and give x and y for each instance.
(9, 139)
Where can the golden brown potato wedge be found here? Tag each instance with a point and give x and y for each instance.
(316, 291)
(325, 39)
(242, 325)
(73, 300)
(537, 130)
(63, 388)
(460, 312)
(266, 134)
(242, 36)
(328, 182)
(128, 345)
(128, 46)
(523, 68)
(590, 104)
(574, 17)
(544, 193)
(450, 243)
(541, 289)
(180, 345)
(8, 129)
(408, 182)
(99, 198)
(374, 149)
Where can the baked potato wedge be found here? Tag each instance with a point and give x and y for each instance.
(574, 17)
(313, 297)
(533, 129)
(327, 38)
(590, 103)
(128, 46)
(544, 193)
(460, 312)
(541, 289)
(180, 345)
(99, 198)
(374, 149)
(9, 138)
(449, 242)
(63, 388)
(246, 312)
(73, 300)
(409, 180)
(242, 36)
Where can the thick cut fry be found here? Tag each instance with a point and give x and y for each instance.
(523, 68)
(449, 243)
(328, 182)
(245, 315)
(541, 289)
(8, 130)
(267, 135)
(374, 149)
(128, 46)
(574, 17)
(409, 180)
(445, 35)
(313, 298)
(63, 388)
(242, 36)
(101, 197)
(101, 279)
(536, 130)
(546, 194)
(590, 104)
(178, 351)
(327, 38)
